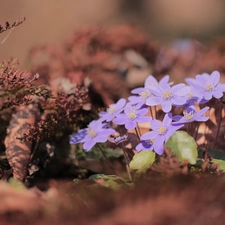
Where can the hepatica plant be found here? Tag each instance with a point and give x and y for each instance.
(169, 132)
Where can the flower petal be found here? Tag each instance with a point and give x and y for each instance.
(89, 144)
(137, 90)
(120, 119)
(178, 101)
(167, 119)
(158, 145)
(121, 103)
(183, 91)
(130, 124)
(215, 77)
(217, 94)
(154, 100)
(143, 111)
(150, 81)
(166, 106)
(149, 135)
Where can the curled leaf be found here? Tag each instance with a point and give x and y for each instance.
(142, 160)
(183, 146)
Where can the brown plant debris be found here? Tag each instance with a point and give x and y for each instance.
(99, 58)
(169, 164)
(18, 153)
(9, 26)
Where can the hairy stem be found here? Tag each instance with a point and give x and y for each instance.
(127, 161)
(219, 125)
(107, 159)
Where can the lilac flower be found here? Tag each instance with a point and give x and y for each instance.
(192, 96)
(208, 85)
(113, 110)
(168, 96)
(145, 145)
(150, 81)
(161, 132)
(190, 115)
(94, 133)
(131, 116)
(144, 94)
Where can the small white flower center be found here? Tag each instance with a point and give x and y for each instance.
(112, 109)
(189, 115)
(91, 132)
(145, 94)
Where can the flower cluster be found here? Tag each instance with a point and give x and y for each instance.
(137, 110)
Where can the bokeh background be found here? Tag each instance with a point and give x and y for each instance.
(51, 21)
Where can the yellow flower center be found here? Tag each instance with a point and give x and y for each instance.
(190, 95)
(151, 141)
(112, 109)
(131, 114)
(167, 94)
(144, 94)
(208, 87)
(91, 132)
(162, 130)
(189, 115)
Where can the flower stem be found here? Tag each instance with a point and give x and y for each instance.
(107, 159)
(155, 112)
(219, 125)
(137, 131)
(127, 161)
(196, 131)
(150, 109)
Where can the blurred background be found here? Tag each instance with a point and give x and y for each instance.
(50, 21)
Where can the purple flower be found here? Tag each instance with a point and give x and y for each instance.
(161, 132)
(150, 81)
(145, 145)
(131, 116)
(193, 96)
(113, 110)
(168, 96)
(208, 85)
(94, 133)
(190, 115)
(144, 94)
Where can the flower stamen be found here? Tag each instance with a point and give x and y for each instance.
(91, 132)
(189, 115)
(190, 95)
(145, 94)
(167, 94)
(112, 109)
(151, 141)
(162, 129)
(131, 114)
(208, 87)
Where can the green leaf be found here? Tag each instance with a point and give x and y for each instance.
(216, 154)
(104, 177)
(111, 181)
(18, 185)
(220, 163)
(142, 160)
(183, 146)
